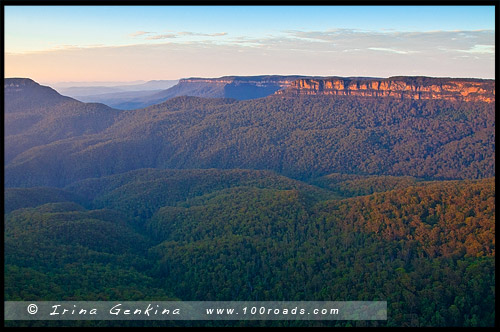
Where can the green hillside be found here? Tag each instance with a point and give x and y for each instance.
(427, 249)
(301, 137)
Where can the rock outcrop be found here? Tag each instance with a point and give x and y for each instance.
(25, 95)
(456, 89)
(18, 84)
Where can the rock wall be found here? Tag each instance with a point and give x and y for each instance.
(457, 89)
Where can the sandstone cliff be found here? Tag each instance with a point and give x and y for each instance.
(457, 89)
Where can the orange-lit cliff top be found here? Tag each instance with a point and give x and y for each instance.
(457, 89)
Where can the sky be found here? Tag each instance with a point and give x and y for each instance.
(130, 43)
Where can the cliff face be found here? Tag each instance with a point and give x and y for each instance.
(457, 89)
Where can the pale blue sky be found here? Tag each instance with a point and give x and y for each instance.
(171, 42)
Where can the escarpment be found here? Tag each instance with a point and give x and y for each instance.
(456, 89)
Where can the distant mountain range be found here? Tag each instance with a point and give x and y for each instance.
(237, 87)
(134, 96)
(91, 89)
(120, 96)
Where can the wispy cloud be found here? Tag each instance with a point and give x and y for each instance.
(139, 33)
(155, 36)
(188, 33)
(165, 36)
(481, 49)
(390, 50)
(322, 53)
(400, 42)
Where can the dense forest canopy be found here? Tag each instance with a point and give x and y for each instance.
(301, 137)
